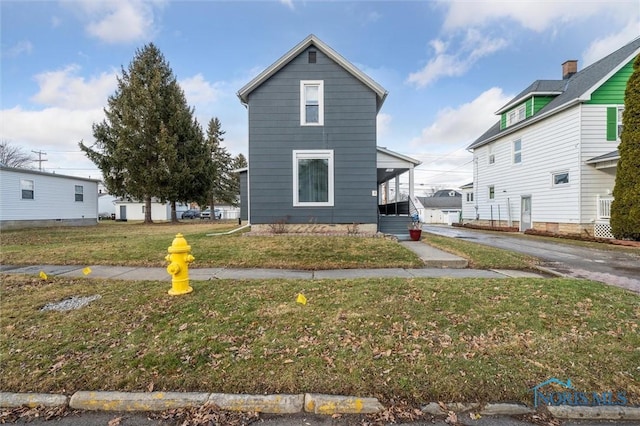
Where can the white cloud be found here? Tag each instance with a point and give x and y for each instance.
(602, 47)
(65, 89)
(444, 64)
(54, 127)
(536, 16)
(119, 21)
(199, 91)
(288, 3)
(383, 124)
(461, 126)
(19, 48)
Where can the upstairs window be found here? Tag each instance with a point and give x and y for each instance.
(26, 187)
(614, 123)
(311, 103)
(517, 151)
(79, 193)
(313, 178)
(620, 113)
(516, 115)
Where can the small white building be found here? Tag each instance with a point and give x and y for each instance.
(30, 198)
(443, 207)
(127, 209)
(106, 205)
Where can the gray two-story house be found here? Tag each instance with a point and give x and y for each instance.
(312, 151)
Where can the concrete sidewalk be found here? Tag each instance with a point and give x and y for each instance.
(437, 264)
(133, 273)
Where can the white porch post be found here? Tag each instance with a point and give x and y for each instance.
(397, 189)
(386, 193)
(411, 182)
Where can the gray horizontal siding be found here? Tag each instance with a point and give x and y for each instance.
(349, 130)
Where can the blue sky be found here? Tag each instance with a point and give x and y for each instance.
(448, 65)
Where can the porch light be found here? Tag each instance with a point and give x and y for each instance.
(389, 170)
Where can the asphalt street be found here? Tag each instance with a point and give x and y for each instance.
(620, 268)
(91, 418)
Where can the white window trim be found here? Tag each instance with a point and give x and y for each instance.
(517, 115)
(491, 199)
(81, 193)
(620, 113)
(514, 152)
(303, 115)
(33, 189)
(553, 179)
(312, 154)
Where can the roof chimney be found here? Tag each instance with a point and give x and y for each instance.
(569, 68)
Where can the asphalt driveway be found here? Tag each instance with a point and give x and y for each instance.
(613, 267)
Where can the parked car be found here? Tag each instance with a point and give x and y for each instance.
(190, 214)
(206, 214)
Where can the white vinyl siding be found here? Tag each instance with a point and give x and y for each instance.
(594, 182)
(53, 197)
(551, 146)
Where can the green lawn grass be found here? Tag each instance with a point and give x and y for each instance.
(130, 244)
(416, 340)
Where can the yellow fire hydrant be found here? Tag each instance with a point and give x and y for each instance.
(180, 257)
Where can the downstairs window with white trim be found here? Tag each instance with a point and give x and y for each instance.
(313, 178)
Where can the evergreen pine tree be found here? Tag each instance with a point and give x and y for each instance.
(136, 144)
(220, 173)
(625, 209)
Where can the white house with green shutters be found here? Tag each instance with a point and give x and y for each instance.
(549, 162)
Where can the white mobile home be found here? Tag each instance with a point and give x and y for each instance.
(30, 198)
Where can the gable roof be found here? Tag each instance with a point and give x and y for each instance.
(575, 89)
(47, 174)
(441, 202)
(312, 40)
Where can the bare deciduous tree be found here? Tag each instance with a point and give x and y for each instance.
(14, 156)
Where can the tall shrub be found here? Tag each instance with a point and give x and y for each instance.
(625, 209)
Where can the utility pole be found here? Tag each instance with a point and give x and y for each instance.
(40, 160)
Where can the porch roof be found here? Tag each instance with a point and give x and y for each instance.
(610, 159)
(391, 164)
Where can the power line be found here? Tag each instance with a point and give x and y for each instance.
(40, 160)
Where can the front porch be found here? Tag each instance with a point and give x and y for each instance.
(602, 227)
(396, 209)
(608, 164)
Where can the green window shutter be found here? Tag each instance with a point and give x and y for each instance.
(612, 123)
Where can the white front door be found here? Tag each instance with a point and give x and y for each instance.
(525, 213)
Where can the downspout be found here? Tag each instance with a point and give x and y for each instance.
(580, 165)
(246, 105)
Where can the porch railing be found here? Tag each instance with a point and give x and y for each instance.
(604, 207)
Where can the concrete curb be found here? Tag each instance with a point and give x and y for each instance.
(13, 400)
(275, 404)
(333, 404)
(290, 404)
(132, 401)
(600, 412)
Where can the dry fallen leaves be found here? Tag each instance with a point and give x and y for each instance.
(209, 414)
